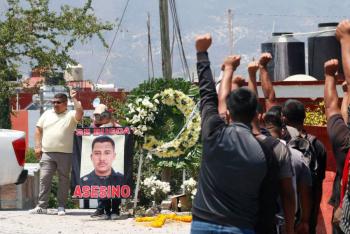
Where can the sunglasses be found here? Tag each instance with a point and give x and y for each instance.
(102, 116)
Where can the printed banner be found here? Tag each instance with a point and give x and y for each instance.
(102, 163)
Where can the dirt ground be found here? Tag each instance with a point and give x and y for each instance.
(77, 221)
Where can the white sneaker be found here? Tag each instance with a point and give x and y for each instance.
(61, 211)
(38, 210)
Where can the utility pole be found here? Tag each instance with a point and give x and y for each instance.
(164, 36)
(230, 30)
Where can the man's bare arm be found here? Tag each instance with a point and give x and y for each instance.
(79, 112)
(266, 84)
(253, 67)
(345, 103)
(343, 35)
(330, 92)
(230, 65)
(38, 142)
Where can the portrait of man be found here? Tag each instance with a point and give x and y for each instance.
(103, 154)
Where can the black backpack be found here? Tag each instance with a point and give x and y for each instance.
(306, 145)
(266, 223)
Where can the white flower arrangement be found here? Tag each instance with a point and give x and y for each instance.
(187, 138)
(141, 114)
(155, 188)
(190, 187)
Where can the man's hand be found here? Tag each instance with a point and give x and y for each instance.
(331, 67)
(343, 30)
(264, 59)
(232, 61)
(203, 42)
(344, 86)
(38, 152)
(238, 81)
(253, 67)
(73, 94)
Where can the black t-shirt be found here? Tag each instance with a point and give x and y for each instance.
(339, 135)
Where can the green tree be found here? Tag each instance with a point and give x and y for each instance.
(33, 34)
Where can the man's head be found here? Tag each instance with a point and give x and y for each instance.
(102, 115)
(242, 105)
(103, 155)
(273, 121)
(293, 112)
(60, 102)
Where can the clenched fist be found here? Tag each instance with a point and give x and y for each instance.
(331, 67)
(265, 58)
(232, 61)
(203, 42)
(343, 30)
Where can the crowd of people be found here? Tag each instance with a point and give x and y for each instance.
(261, 172)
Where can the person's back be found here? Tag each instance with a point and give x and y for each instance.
(233, 164)
(232, 169)
(294, 115)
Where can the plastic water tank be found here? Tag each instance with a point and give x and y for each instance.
(322, 47)
(74, 73)
(288, 55)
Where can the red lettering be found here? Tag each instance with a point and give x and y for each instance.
(79, 132)
(86, 191)
(103, 191)
(77, 192)
(97, 131)
(87, 131)
(109, 191)
(94, 191)
(126, 131)
(115, 191)
(112, 131)
(125, 191)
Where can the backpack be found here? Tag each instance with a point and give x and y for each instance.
(266, 223)
(306, 145)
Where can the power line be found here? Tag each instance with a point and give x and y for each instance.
(115, 36)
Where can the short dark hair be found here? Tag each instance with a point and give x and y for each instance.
(242, 105)
(61, 96)
(102, 139)
(274, 117)
(294, 111)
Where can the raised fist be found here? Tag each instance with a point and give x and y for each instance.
(73, 94)
(253, 67)
(232, 61)
(343, 30)
(238, 80)
(264, 59)
(344, 86)
(331, 67)
(203, 42)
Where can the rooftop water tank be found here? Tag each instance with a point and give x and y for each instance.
(322, 47)
(288, 55)
(73, 73)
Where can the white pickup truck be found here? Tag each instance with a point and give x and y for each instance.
(12, 157)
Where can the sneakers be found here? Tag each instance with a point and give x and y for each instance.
(114, 216)
(61, 211)
(38, 210)
(97, 213)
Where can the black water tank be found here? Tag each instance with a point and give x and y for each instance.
(288, 55)
(322, 47)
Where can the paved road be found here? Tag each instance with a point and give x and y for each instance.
(78, 221)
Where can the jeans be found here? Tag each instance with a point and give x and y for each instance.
(200, 227)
